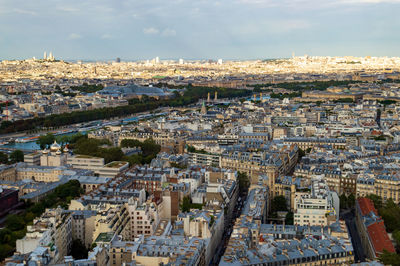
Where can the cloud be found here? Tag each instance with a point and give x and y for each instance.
(168, 32)
(106, 36)
(151, 31)
(24, 11)
(311, 3)
(74, 36)
(68, 9)
(290, 25)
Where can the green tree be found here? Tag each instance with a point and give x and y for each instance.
(17, 156)
(389, 258)
(289, 219)
(15, 222)
(390, 213)
(343, 201)
(5, 250)
(191, 148)
(244, 182)
(149, 150)
(3, 158)
(278, 204)
(396, 237)
(78, 250)
(186, 202)
(111, 154)
(351, 200)
(376, 199)
(87, 146)
(44, 141)
(133, 159)
(301, 154)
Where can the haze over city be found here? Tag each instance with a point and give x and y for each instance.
(238, 29)
(199, 133)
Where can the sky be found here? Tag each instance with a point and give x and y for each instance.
(198, 29)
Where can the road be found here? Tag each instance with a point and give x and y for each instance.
(227, 232)
(349, 217)
(77, 126)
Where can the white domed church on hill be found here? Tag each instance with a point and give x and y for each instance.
(54, 156)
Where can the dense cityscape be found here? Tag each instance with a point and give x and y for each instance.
(203, 162)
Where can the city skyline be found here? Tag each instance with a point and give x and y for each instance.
(243, 29)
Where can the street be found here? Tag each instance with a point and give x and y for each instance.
(227, 233)
(349, 217)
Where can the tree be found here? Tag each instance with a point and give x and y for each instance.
(191, 148)
(111, 154)
(278, 204)
(396, 237)
(17, 156)
(376, 199)
(149, 150)
(78, 250)
(351, 200)
(343, 201)
(289, 219)
(244, 182)
(389, 258)
(301, 154)
(15, 222)
(5, 250)
(391, 215)
(3, 158)
(45, 141)
(212, 220)
(185, 206)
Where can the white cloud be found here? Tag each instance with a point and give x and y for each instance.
(168, 32)
(290, 25)
(151, 31)
(68, 9)
(106, 36)
(367, 1)
(24, 11)
(311, 3)
(74, 36)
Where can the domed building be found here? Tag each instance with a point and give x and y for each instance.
(54, 156)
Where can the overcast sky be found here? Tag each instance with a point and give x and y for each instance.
(198, 29)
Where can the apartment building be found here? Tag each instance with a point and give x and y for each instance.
(8, 172)
(388, 187)
(144, 218)
(52, 231)
(205, 225)
(309, 143)
(318, 207)
(374, 238)
(204, 159)
(155, 250)
(148, 178)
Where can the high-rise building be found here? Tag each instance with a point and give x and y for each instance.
(181, 61)
(220, 61)
(157, 60)
(45, 55)
(118, 60)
